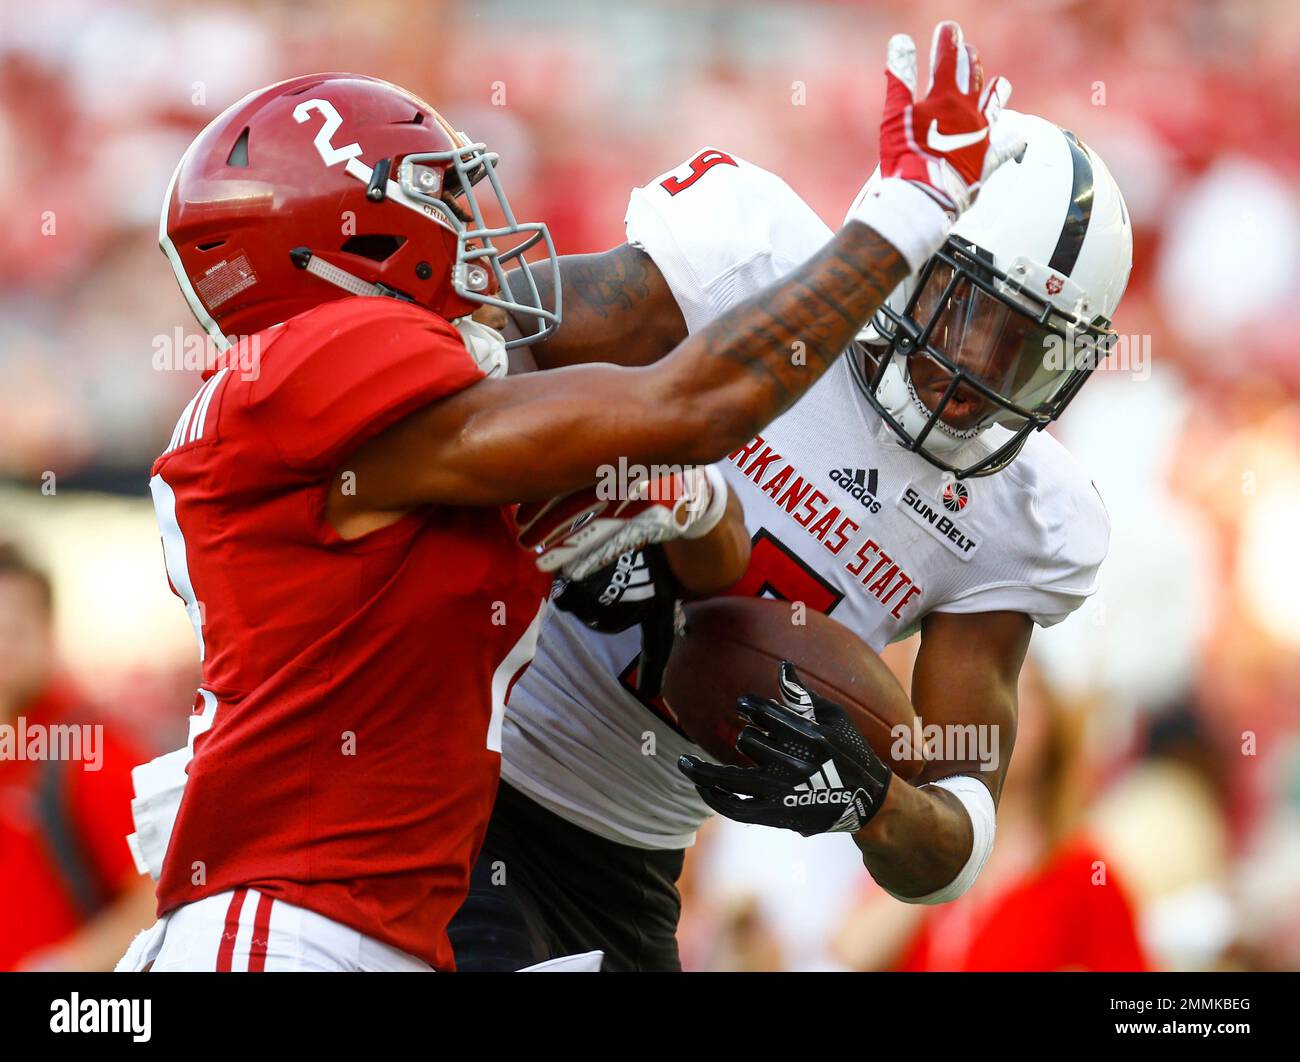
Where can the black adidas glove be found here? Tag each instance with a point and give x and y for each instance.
(638, 588)
(814, 772)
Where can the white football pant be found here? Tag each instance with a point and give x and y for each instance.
(245, 930)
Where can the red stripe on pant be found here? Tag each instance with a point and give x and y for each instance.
(227, 949)
(261, 934)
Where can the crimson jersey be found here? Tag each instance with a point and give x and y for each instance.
(348, 752)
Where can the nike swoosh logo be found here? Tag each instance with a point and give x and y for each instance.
(942, 142)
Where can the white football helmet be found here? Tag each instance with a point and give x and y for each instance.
(999, 330)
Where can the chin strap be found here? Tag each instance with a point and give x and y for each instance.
(485, 345)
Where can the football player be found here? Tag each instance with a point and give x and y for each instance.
(912, 488)
(336, 500)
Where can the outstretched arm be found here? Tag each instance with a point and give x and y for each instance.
(541, 434)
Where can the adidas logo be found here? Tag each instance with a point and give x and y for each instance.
(629, 581)
(816, 797)
(861, 483)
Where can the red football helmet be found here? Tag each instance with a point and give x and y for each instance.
(333, 185)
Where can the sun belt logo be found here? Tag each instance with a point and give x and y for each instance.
(956, 496)
(1054, 284)
(860, 483)
(954, 537)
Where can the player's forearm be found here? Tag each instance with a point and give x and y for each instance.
(712, 563)
(918, 841)
(538, 434)
(718, 387)
(618, 309)
(752, 363)
(965, 676)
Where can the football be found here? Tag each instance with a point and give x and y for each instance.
(734, 645)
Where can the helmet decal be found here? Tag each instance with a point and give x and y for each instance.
(329, 154)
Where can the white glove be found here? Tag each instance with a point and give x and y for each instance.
(578, 533)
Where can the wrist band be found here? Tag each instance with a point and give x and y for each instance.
(717, 508)
(905, 216)
(978, 802)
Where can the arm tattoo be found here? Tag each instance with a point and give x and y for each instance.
(598, 283)
(617, 308)
(613, 281)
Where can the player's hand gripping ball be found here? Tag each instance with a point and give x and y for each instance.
(813, 770)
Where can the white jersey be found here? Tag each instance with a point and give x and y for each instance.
(842, 518)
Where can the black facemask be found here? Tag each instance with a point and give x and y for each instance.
(980, 351)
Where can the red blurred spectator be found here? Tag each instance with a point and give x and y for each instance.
(1059, 916)
(72, 897)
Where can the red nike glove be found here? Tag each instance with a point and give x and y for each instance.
(944, 143)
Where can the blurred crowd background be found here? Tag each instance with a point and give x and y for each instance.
(1152, 816)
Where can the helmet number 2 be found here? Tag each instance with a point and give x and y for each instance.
(331, 154)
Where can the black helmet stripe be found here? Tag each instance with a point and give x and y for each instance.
(1079, 211)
